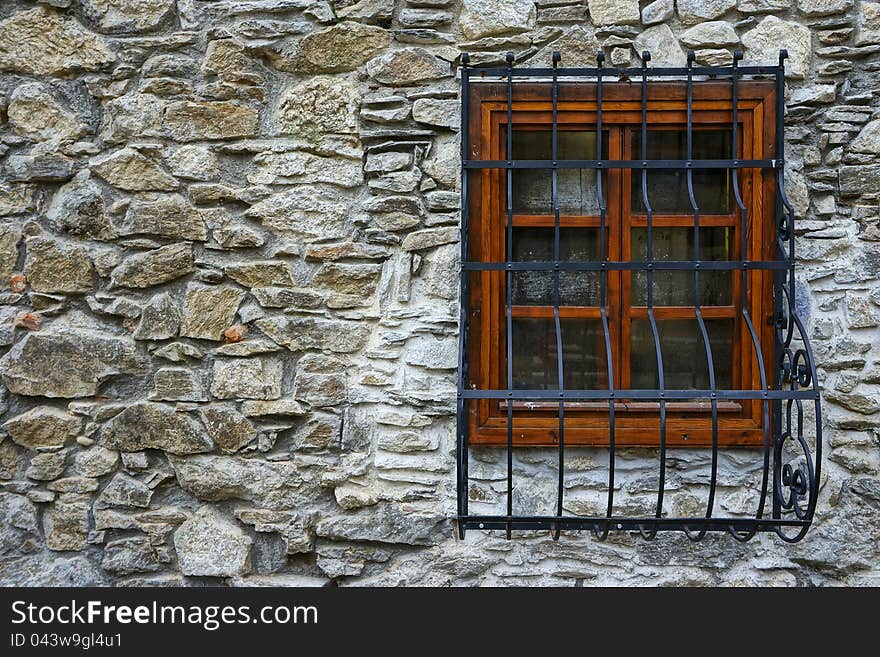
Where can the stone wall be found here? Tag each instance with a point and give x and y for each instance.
(228, 281)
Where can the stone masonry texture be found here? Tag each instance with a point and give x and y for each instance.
(228, 293)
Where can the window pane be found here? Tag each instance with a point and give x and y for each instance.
(667, 189)
(534, 354)
(684, 354)
(535, 288)
(532, 188)
(676, 288)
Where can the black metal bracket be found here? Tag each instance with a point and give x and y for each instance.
(790, 483)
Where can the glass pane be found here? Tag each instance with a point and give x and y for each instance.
(535, 288)
(534, 354)
(684, 354)
(676, 288)
(532, 188)
(667, 189)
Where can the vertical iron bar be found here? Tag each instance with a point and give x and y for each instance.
(603, 300)
(509, 293)
(698, 313)
(646, 57)
(744, 244)
(558, 327)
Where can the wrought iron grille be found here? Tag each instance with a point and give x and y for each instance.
(792, 441)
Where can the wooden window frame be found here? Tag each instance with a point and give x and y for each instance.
(636, 423)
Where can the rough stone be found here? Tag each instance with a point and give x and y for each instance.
(343, 47)
(230, 61)
(43, 41)
(437, 112)
(267, 484)
(482, 18)
(66, 525)
(762, 44)
(154, 267)
(130, 170)
(407, 66)
(308, 213)
(823, 7)
(302, 333)
(194, 121)
(126, 491)
(697, 11)
(35, 113)
(53, 266)
(762, 6)
(211, 545)
(127, 15)
(193, 162)
(320, 105)
(868, 139)
(707, 35)
(78, 208)
(385, 524)
(47, 466)
(429, 238)
(163, 215)
(247, 378)
(662, 44)
(229, 429)
(208, 310)
(147, 425)
(72, 363)
(260, 273)
(614, 12)
(867, 24)
(43, 426)
(320, 380)
(131, 555)
(359, 280)
(658, 11)
(39, 167)
(159, 320)
(261, 408)
(96, 461)
(178, 384)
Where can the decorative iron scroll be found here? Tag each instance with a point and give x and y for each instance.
(792, 443)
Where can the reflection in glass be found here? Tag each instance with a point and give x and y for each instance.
(676, 288)
(535, 288)
(534, 354)
(667, 188)
(576, 188)
(684, 354)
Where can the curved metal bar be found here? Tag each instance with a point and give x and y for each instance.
(691, 56)
(554, 191)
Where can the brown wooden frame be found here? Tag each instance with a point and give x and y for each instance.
(636, 423)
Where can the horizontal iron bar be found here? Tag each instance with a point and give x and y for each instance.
(622, 164)
(628, 265)
(608, 73)
(626, 524)
(472, 393)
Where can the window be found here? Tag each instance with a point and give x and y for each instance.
(628, 280)
(621, 236)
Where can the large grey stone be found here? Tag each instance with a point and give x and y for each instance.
(437, 112)
(39, 167)
(303, 333)
(710, 34)
(614, 12)
(763, 42)
(697, 11)
(321, 104)
(260, 273)
(407, 66)
(56, 266)
(68, 363)
(163, 215)
(132, 171)
(43, 426)
(482, 18)
(128, 556)
(230, 429)
(19, 525)
(78, 208)
(247, 378)
(305, 167)
(358, 280)
(208, 310)
(160, 319)
(855, 180)
(823, 7)
(343, 47)
(66, 525)
(194, 121)
(868, 139)
(211, 545)
(385, 524)
(154, 267)
(867, 24)
(306, 212)
(179, 384)
(35, 113)
(433, 353)
(662, 44)
(147, 425)
(320, 380)
(272, 485)
(658, 11)
(578, 47)
(126, 491)
(127, 15)
(43, 41)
